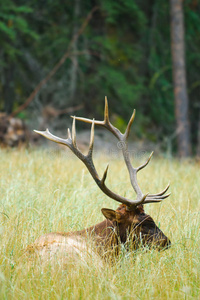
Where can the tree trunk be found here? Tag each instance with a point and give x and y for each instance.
(179, 77)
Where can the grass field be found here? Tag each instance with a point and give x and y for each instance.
(44, 191)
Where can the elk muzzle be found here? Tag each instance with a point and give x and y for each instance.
(155, 238)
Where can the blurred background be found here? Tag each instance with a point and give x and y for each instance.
(59, 58)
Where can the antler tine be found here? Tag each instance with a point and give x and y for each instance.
(106, 112)
(126, 134)
(101, 123)
(47, 134)
(154, 200)
(146, 163)
(69, 134)
(157, 197)
(104, 175)
(74, 132)
(161, 193)
(91, 140)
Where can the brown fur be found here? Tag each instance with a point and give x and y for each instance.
(131, 228)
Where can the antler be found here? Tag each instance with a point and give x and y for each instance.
(141, 198)
(88, 161)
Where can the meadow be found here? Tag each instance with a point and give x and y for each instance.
(44, 191)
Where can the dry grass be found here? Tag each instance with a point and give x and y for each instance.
(44, 191)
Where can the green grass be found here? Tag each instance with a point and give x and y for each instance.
(43, 191)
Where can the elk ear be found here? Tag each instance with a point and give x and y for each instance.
(111, 214)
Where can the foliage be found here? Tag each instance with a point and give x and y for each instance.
(43, 191)
(13, 25)
(124, 53)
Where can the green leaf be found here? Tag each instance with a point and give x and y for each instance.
(8, 31)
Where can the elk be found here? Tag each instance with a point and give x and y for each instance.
(128, 224)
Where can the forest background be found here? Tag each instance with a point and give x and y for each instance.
(124, 52)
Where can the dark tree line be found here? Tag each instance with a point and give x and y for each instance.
(124, 53)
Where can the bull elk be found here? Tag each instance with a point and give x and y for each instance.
(127, 223)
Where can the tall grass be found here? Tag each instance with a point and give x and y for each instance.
(43, 191)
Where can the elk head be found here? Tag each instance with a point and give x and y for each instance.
(136, 228)
(129, 220)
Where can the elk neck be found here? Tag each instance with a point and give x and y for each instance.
(105, 233)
